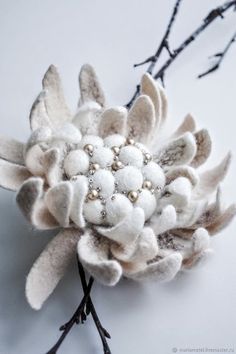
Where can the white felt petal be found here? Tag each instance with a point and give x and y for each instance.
(114, 140)
(210, 179)
(154, 173)
(182, 171)
(52, 166)
(38, 114)
(103, 156)
(164, 270)
(87, 118)
(165, 221)
(127, 230)
(50, 267)
(12, 150)
(151, 89)
(80, 190)
(39, 135)
(164, 103)
(67, 132)
(90, 89)
(94, 140)
(30, 201)
(105, 181)
(54, 99)
(131, 155)
(188, 125)
(117, 207)
(113, 121)
(76, 162)
(147, 202)
(94, 255)
(180, 193)
(201, 240)
(34, 160)
(177, 152)
(129, 178)
(203, 141)
(141, 119)
(59, 200)
(93, 211)
(12, 176)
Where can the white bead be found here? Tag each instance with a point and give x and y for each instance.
(67, 132)
(154, 173)
(103, 156)
(117, 208)
(130, 155)
(147, 202)
(93, 210)
(105, 181)
(114, 140)
(129, 178)
(76, 162)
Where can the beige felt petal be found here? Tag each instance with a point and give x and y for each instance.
(209, 180)
(29, 200)
(12, 150)
(188, 125)
(80, 190)
(141, 119)
(113, 121)
(12, 176)
(128, 230)
(182, 171)
(164, 103)
(34, 160)
(54, 99)
(150, 88)
(52, 167)
(94, 255)
(90, 89)
(204, 145)
(38, 114)
(58, 200)
(177, 152)
(50, 267)
(197, 259)
(163, 270)
(222, 221)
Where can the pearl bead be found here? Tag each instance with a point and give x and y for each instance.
(116, 150)
(129, 141)
(93, 194)
(148, 157)
(88, 148)
(94, 166)
(117, 165)
(147, 184)
(133, 196)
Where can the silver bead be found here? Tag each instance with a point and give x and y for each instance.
(148, 157)
(133, 196)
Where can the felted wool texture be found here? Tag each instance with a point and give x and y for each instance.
(139, 206)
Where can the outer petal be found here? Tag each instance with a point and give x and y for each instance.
(163, 270)
(12, 150)
(52, 166)
(164, 104)
(188, 125)
(94, 255)
(141, 119)
(178, 152)
(12, 176)
(128, 230)
(223, 220)
(87, 118)
(203, 141)
(50, 267)
(90, 89)
(29, 199)
(38, 114)
(113, 121)
(182, 171)
(80, 190)
(165, 221)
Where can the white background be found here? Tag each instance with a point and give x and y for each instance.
(197, 309)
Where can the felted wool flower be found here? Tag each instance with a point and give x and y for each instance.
(129, 201)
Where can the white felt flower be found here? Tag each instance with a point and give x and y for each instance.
(129, 203)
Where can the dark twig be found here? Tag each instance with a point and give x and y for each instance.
(211, 17)
(90, 308)
(220, 57)
(74, 319)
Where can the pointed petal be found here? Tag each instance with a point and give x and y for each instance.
(165, 221)
(164, 104)
(50, 267)
(58, 200)
(12, 150)
(188, 125)
(52, 167)
(210, 179)
(12, 176)
(223, 220)
(141, 119)
(178, 152)
(94, 255)
(29, 200)
(54, 99)
(90, 89)
(80, 190)
(38, 114)
(113, 121)
(164, 270)
(177, 193)
(34, 160)
(151, 89)
(128, 230)
(182, 171)
(197, 260)
(204, 144)
(87, 118)
(201, 240)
